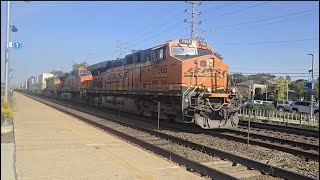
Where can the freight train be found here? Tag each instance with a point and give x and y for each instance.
(191, 84)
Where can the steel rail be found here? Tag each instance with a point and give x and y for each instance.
(282, 128)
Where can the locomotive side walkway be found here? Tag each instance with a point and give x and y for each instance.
(52, 145)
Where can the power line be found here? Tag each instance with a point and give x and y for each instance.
(237, 11)
(269, 42)
(262, 24)
(153, 28)
(218, 8)
(271, 69)
(148, 38)
(266, 73)
(265, 19)
(273, 73)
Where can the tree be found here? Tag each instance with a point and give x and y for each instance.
(55, 72)
(79, 65)
(218, 55)
(298, 87)
(316, 89)
(239, 77)
(262, 78)
(278, 91)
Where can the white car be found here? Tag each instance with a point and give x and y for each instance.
(304, 107)
(283, 105)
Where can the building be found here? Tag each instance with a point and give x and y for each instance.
(251, 90)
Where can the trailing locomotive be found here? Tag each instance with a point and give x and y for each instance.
(188, 80)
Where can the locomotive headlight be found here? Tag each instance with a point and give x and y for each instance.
(210, 62)
(233, 91)
(208, 89)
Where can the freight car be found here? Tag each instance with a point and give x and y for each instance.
(184, 76)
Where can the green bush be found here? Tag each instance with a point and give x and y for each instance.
(268, 107)
(6, 111)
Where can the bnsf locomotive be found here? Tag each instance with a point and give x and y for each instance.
(190, 82)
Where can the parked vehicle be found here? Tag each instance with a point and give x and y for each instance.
(304, 107)
(283, 105)
(257, 102)
(267, 102)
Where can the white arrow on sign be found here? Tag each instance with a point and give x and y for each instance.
(10, 44)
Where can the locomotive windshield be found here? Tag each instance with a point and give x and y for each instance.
(85, 72)
(202, 52)
(182, 50)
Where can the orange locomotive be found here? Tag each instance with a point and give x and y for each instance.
(52, 84)
(190, 83)
(69, 85)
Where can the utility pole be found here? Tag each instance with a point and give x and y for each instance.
(121, 48)
(7, 59)
(193, 15)
(266, 92)
(312, 86)
(287, 91)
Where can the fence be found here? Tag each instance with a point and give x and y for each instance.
(277, 116)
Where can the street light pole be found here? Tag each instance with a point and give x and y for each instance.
(7, 60)
(287, 91)
(312, 87)
(266, 92)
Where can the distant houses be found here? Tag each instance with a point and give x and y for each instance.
(251, 90)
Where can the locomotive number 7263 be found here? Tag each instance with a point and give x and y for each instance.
(161, 69)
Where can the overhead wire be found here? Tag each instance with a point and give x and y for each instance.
(237, 11)
(268, 42)
(184, 29)
(218, 8)
(153, 28)
(271, 69)
(263, 24)
(266, 19)
(267, 73)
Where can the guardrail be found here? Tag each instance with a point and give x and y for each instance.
(301, 119)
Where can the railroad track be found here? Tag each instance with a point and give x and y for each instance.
(308, 151)
(209, 161)
(282, 128)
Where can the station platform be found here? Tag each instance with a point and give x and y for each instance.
(52, 145)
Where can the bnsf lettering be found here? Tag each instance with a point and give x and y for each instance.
(161, 69)
(116, 76)
(204, 70)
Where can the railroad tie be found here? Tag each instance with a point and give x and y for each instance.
(246, 174)
(218, 164)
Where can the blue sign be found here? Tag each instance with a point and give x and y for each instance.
(17, 45)
(308, 85)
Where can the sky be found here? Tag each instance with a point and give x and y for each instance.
(252, 36)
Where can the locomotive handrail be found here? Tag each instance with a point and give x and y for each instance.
(186, 91)
(215, 109)
(196, 88)
(184, 94)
